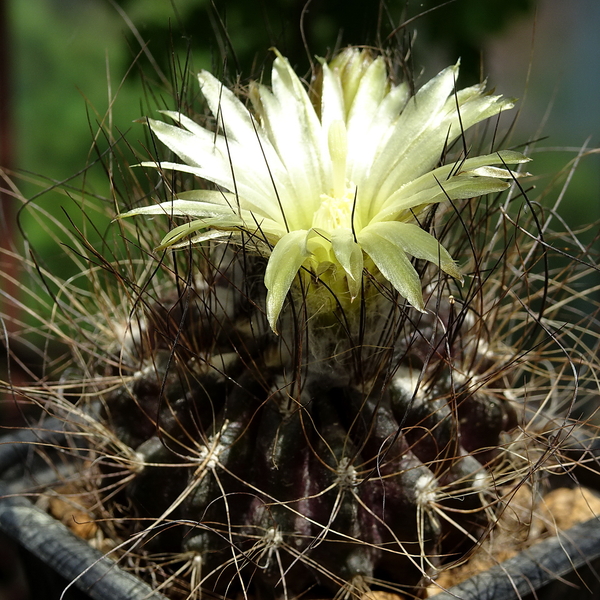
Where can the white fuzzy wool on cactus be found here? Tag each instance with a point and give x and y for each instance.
(329, 182)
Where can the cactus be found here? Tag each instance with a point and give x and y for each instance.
(356, 425)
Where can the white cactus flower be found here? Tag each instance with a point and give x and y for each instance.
(329, 181)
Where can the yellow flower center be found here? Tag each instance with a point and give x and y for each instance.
(335, 212)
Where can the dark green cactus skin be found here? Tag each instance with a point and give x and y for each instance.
(291, 485)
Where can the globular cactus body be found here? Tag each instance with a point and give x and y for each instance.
(325, 481)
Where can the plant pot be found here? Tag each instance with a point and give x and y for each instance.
(49, 561)
(53, 559)
(557, 568)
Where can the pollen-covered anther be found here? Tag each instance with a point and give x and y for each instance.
(335, 212)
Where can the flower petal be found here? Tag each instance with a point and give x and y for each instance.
(421, 114)
(363, 146)
(418, 243)
(349, 255)
(350, 66)
(296, 133)
(423, 153)
(204, 236)
(459, 187)
(232, 115)
(287, 257)
(332, 99)
(190, 147)
(466, 179)
(394, 265)
(371, 91)
(187, 208)
(257, 197)
(174, 238)
(211, 196)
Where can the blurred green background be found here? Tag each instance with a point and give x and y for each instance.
(73, 59)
